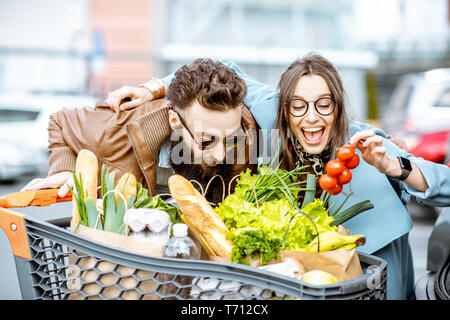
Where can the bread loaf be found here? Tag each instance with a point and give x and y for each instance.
(200, 213)
(130, 187)
(86, 167)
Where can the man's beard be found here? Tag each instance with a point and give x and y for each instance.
(203, 174)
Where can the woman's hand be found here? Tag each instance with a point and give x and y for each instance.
(373, 152)
(137, 95)
(63, 181)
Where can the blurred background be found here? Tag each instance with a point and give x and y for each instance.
(393, 56)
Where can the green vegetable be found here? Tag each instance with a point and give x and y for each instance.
(311, 192)
(267, 184)
(273, 217)
(80, 199)
(263, 213)
(255, 242)
(109, 202)
(144, 201)
(324, 197)
(112, 217)
(92, 214)
(349, 213)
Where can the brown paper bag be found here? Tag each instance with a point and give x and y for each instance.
(342, 264)
(84, 268)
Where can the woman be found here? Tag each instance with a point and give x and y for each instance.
(309, 110)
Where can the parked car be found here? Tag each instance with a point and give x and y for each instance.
(419, 112)
(23, 131)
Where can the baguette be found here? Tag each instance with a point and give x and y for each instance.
(200, 213)
(86, 167)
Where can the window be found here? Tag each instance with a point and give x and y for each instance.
(14, 115)
(443, 100)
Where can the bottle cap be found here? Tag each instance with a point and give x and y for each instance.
(180, 230)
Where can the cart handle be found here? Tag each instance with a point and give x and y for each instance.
(40, 198)
(13, 223)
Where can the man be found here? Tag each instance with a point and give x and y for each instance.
(211, 132)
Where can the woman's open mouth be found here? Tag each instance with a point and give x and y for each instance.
(313, 135)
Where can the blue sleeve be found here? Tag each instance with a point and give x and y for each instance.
(261, 99)
(168, 79)
(436, 175)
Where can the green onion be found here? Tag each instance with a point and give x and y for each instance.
(349, 213)
(310, 194)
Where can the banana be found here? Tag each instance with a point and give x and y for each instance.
(332, 240)
(348, 246)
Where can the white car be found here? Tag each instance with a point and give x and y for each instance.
(23, 131)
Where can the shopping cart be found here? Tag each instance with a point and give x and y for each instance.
(54, 263)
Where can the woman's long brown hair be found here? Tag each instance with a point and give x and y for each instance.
(317, 65)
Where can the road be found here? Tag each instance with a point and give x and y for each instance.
(423, 218)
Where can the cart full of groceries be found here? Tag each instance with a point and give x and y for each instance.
(270, 237)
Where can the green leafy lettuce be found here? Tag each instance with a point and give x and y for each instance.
(273, 219)
(255, 242)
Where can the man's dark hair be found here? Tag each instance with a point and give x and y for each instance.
(211, 83)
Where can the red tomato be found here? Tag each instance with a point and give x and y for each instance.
(334, 167)
(334, 191)
(345, 176)
(353, 162)
(327, 182)
(345, 153)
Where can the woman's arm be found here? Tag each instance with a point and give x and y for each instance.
(261, 99)
(428, 182)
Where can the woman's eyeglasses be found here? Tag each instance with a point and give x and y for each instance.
(204, 144)
(299, 107)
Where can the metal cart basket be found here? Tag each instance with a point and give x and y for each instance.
(54, 263)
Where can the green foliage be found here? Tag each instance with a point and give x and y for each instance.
(255, 242)
(144, 201)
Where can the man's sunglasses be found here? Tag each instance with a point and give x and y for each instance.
(228, 142)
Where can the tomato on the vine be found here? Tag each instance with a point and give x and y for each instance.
(345, 176)
(327, 182)
(346, 152)
(336, 190)
(334, 167)
(353, 162)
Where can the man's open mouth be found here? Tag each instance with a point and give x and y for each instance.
(313, 135)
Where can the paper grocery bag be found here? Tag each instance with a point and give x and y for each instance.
(93, 278)
(343, 264)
